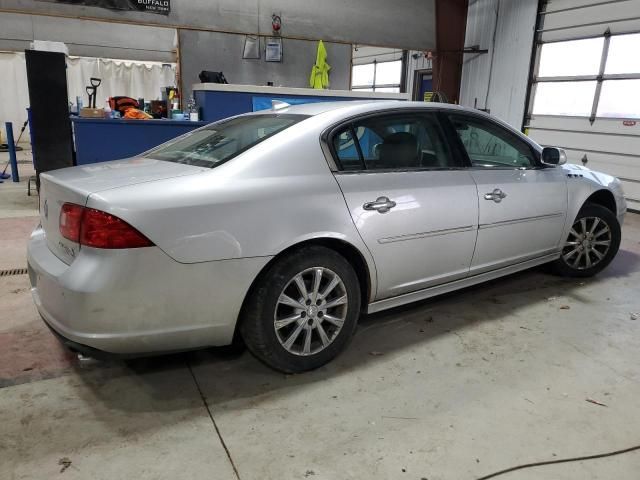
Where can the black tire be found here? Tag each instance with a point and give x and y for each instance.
(565, 266)
(257, 320)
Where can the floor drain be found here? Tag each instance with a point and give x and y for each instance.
(13, 271)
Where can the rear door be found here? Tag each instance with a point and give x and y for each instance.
(522, 206)
(413, 203)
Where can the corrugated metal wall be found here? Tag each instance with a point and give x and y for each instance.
(610, 145)
(497, 81)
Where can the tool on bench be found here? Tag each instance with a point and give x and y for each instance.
(90, 111)
(92, 91)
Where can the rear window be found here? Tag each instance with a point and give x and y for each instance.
(216, 143)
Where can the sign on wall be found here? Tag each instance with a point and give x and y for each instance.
(162, 7)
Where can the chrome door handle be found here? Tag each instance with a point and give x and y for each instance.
(497, 195)
(382, 205)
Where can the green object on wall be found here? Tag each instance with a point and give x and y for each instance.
(319, 78)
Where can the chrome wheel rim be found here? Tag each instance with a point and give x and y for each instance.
(588, 243)
(311, 311)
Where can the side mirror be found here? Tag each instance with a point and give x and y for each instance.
(553, 156)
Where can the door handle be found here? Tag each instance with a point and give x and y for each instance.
(382, 205)
(497, 195)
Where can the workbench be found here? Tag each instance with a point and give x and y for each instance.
(102, 139)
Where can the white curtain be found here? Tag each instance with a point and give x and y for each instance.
(119, 78)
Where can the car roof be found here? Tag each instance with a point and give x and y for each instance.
(347, 107)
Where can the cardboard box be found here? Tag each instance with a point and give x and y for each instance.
(87, 112)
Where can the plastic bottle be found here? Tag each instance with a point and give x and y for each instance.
(107, 110)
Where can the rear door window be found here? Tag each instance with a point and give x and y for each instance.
(394, 142)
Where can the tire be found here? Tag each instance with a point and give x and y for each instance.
(273, 312)
(580, 259)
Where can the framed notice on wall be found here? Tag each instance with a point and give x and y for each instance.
(273, 49)
(162, 7)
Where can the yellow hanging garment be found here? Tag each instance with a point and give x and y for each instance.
(319, 78)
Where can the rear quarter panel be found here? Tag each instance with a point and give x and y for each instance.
(271, 197)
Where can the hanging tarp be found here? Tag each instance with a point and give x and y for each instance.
(162, 7)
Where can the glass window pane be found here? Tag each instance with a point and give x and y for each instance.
(620, 98)
(222, 140)
(362, 75)
(576, 57)
(388, 73)
(624, 54)
(346, 151)
(490, 146)
(564, 98)
(402, 142)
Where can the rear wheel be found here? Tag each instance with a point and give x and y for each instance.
(303, 311)
(592, 243)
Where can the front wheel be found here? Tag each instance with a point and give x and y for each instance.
(592, 243)
(303, 310)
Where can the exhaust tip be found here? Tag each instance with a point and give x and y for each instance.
(85, 361)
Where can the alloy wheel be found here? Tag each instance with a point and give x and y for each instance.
(588, 243)
(311, 311)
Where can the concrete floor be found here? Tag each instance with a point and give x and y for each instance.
(453, 388)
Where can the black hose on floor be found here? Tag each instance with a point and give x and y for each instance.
(561, 460)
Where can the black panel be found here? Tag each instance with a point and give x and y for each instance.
(50, 124)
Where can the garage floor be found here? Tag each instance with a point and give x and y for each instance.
(453, 388)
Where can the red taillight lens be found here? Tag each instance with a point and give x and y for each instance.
(98, 229)
(70, 220)
(102, 230)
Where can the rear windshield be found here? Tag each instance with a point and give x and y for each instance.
(216, 143)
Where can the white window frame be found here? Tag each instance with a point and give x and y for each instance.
(374, 86)
(599, 78)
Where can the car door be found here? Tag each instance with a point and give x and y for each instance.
(413, 203)
(522, 205)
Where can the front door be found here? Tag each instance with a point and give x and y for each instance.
(522, 206)
(413, 204)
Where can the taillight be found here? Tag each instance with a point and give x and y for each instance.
(70, 220)
(98, 229)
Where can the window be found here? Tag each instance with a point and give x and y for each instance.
(362, 75)
(221, 141)
(490, 146)
(571, 79)
(346, 150)
(377, 76)
(623, 54)
(572, 58)
(393, 142)
(564, 98)
(620, 99)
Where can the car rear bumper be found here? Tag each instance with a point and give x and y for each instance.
(137, 301)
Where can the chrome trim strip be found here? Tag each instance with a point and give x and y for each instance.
(433, 233)
(519, 220)
(456, 285)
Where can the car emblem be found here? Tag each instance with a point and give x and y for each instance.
(45, 209)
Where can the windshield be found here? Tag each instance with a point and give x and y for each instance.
(215, 144)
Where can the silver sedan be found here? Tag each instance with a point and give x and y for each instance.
(281, 227)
